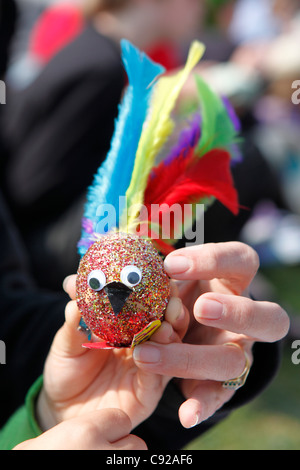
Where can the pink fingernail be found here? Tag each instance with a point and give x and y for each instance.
(147, 354)
(209, 309)
(177, 264)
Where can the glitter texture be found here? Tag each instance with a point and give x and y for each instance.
(147, 301)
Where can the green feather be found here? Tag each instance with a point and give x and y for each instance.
(217, 128)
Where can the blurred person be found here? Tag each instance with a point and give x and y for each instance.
(58, 129)
(275, 131)
(214, 31)
(43, 28)
(285, 11)
(28, 12)
(47, 26)
(253, 21)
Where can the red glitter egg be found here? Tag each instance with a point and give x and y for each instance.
(121, 287)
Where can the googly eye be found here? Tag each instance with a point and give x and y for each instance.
(96, 280)
(131, 276)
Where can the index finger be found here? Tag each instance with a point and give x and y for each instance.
(189, 361)
(234, 262)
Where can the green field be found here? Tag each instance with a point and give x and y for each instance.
(271, 421)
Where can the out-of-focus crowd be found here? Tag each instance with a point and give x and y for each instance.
(252, 57)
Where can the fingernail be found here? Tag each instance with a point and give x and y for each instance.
(147, 354)
(176, 308)
(197, 421)
(169, 332)
(209, 309)
(181, 314)
(65, 282)
(177, 264)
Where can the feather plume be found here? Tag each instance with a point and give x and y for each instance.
(197, 169)
(114, 175)
(158, 128)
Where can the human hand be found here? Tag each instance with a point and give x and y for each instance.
(213, 281)
(79, 380)
(99, 430)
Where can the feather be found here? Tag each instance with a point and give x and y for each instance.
(157, 129)
(187, 139)
(114, 175)
(208, 176)
(188, 180)
(219, 126)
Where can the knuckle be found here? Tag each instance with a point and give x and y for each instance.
(213, 258)
(240, 314)
(188, 367)
(121, 418)
(246, 318)
(86, 428)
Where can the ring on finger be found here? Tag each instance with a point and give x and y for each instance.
(238, 382)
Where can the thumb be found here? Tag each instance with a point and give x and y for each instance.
(69, 339)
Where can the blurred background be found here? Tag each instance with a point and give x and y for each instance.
(64, 82)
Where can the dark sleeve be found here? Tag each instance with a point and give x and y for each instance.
(163, 431)
(8, 18)
(29, 319)
(57, 132)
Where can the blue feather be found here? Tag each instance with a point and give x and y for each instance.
(113, 177)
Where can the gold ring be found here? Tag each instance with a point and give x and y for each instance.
(235, 384)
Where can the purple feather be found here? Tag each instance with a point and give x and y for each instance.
(235, 150)
(87, 225)
(188, 139)
(232, 114)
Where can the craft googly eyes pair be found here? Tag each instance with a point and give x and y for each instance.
(131, 276)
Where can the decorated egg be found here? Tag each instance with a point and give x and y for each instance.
(122, 288)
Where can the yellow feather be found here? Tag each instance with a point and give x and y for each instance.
(157, 129)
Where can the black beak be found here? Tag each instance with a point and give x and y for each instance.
(117, 293)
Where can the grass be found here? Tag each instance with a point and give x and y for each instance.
(271, 421)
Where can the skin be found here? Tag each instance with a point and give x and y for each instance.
(223, 273)
(78, 380)
(101, 430)
(189, 345)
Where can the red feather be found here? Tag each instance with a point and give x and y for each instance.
(188, 179)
